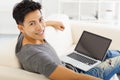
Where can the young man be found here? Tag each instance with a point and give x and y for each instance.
(35, 53)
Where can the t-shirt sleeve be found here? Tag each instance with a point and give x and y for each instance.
(42, 64)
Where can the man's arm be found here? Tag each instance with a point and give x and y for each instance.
(56, 24)
(62, 73)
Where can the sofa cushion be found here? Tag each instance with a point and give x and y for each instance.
(9, 73)
(60, 40)
(7, 53)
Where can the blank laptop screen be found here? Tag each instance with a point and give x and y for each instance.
(93, 45)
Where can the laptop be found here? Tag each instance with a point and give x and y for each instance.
(90, 51)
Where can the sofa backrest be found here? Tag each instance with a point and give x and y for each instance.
(109, 31)
(7, 53)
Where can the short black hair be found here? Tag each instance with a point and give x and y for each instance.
(24, 7)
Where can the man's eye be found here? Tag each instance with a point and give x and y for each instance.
(31, 24)
(41, 20)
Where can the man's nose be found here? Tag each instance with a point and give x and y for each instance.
(40, 26)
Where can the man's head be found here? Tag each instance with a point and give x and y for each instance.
(29, 19)
(23, 8)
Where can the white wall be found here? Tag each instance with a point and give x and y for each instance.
(49, 7)
(7, 23)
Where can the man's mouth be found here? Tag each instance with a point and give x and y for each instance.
(40, 33)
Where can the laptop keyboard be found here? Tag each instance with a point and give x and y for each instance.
(82, 59)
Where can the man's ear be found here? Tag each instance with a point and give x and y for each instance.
(20, 27)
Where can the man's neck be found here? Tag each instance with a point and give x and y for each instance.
(32, 41)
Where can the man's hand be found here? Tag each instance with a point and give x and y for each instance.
(56, 24)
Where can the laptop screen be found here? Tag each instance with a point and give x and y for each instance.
(93, 45)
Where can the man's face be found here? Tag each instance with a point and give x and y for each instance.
(33, 26)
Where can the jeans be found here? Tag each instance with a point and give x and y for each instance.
(109, 67)
(112, 53)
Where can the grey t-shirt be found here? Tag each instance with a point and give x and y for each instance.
(39, 58)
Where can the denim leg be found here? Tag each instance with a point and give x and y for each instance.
(96, 71)
(106, 69)
(112, 53)
(110, 67)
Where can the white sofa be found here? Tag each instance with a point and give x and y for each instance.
(61, 41)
